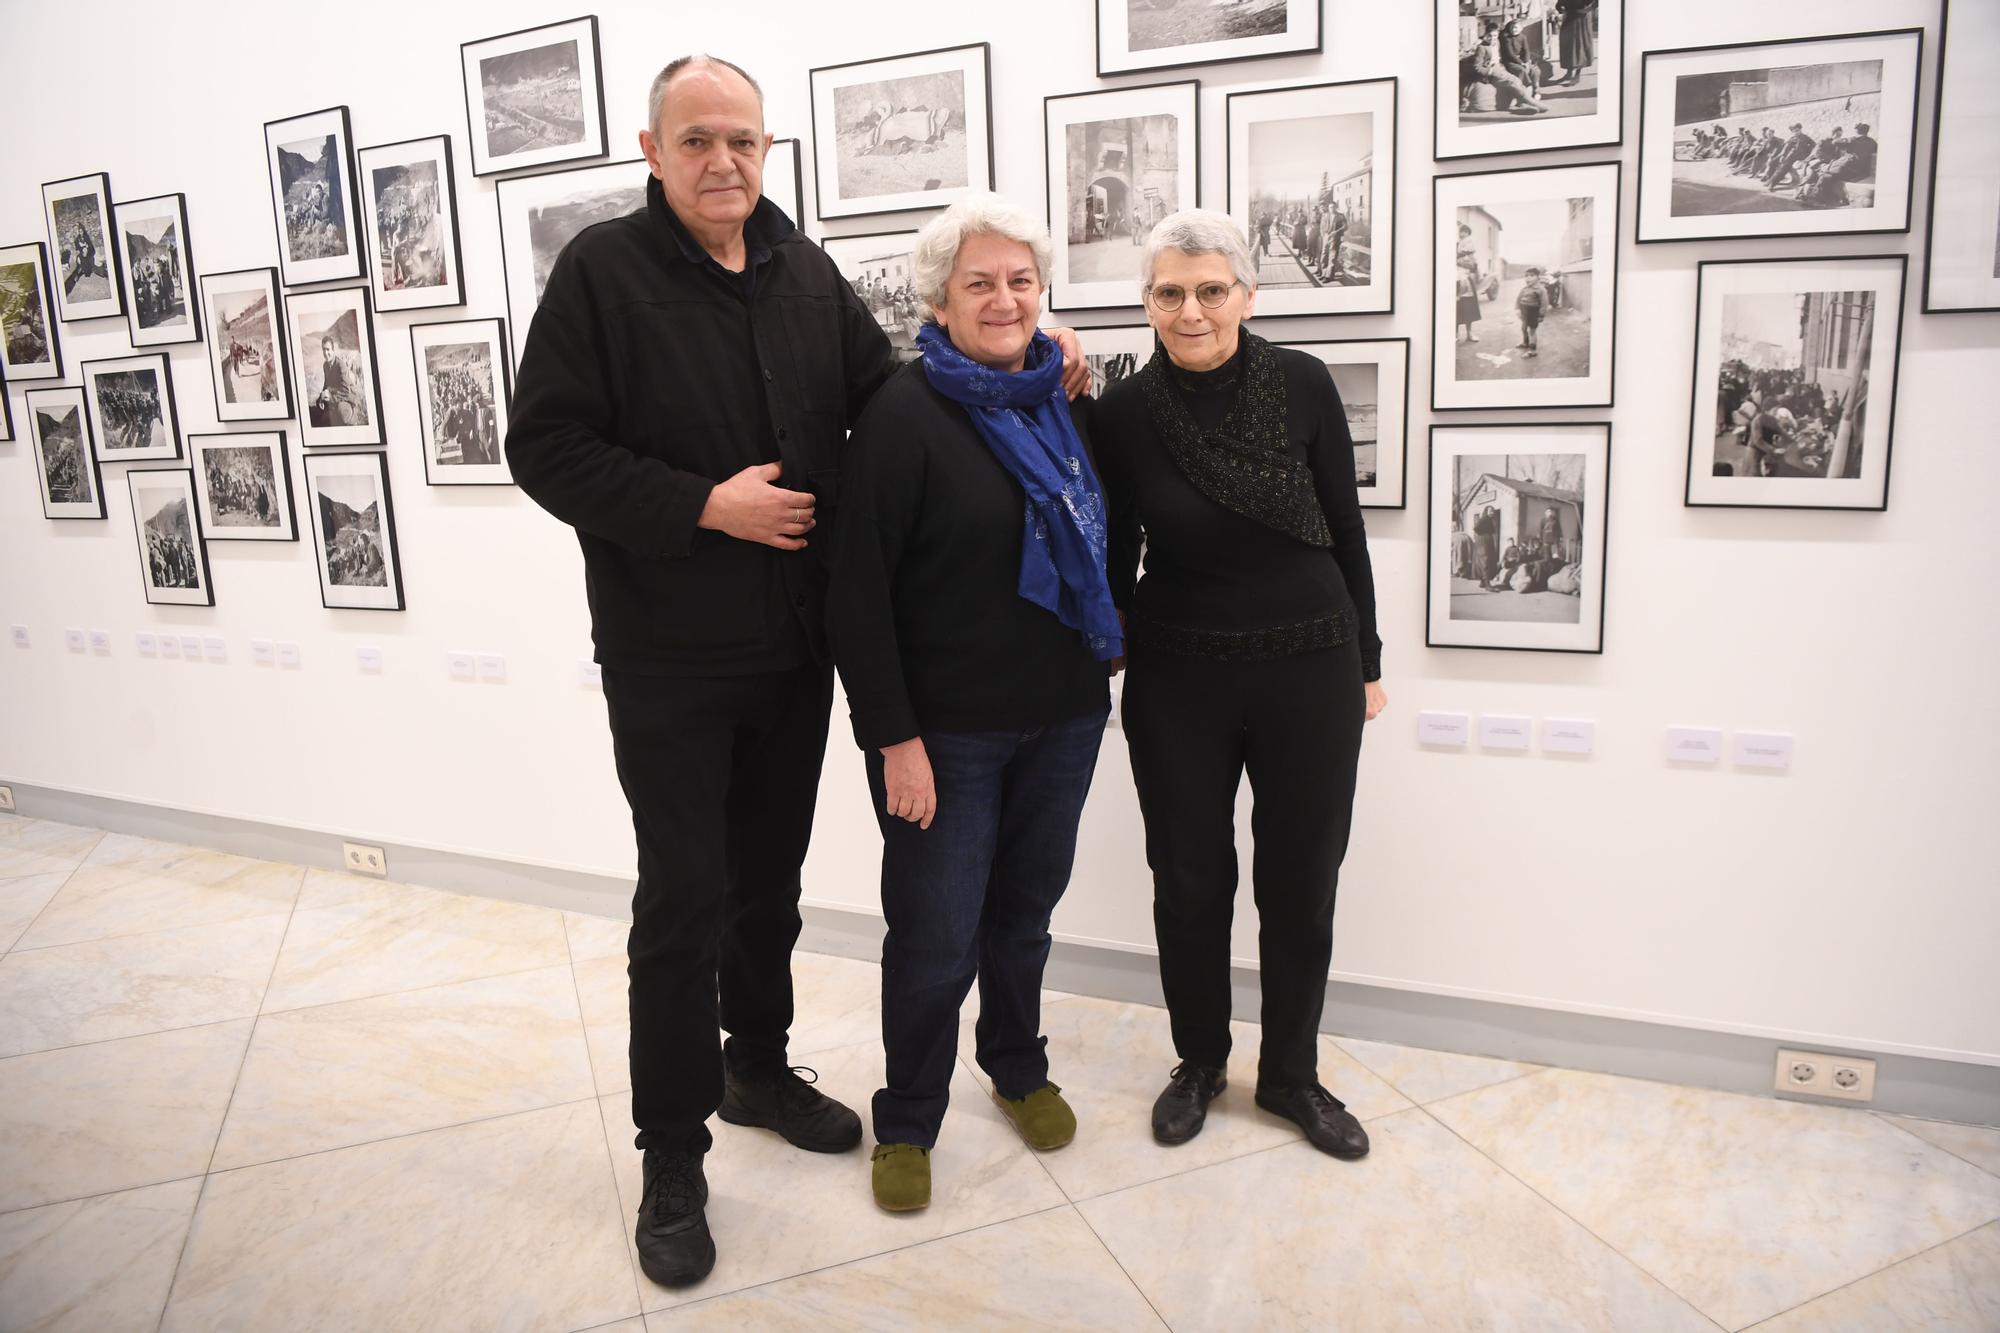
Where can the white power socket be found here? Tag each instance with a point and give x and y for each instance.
(6, 798)
(362, 859)
(1848, 1078)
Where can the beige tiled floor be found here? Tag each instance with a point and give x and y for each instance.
(243, 1095)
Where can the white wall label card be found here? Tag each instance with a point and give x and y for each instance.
(169, 646)
(369, 660)
(288, 656)
(215, 649)
(493, 667)
(262, 653)
(1763, 749)
(1500, 731)
(462, 666)
(1443, 728)
(20, 633)
(74, 638)
(190, 647)
(1562, 735)
(100, 642)
(148, 645)
(1694, 745)
(589, 675)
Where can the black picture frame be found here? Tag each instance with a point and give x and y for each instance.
(496, 473)
(796, 181)
(1317, 8)
(310, 270)
(826, 139)
(1649, 124)
(320, 301)
(99, 189)
(75, 397)
(219, 293)
(1402, 499)
(188, 329)
(169, 418)
(376, 464)
(6, 413)
(201, 444)
(484, 161)
(450, 290)
(1443, 104)
(1990, 303)
(41, 318)
(198, 552)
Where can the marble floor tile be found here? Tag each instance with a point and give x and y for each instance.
(1975, 1143)
(340, 1074)
(601, 987)
(22, 897)
(114, 1115)
(351, 938)
(1423, 1234)
(129, 886)
(1744, 1205)
(1426, 1076)
(595, 936)
(1047, 1271)
(42, 846)
(1111, 1059)
(93, 1264)
(1954, 1288)
(509, 1223)
(103, 989)
(777, 1211)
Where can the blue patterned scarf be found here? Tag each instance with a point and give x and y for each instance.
(1024, 418)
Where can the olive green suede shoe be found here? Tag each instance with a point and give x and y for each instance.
(902, 1176)
(1042, 1116)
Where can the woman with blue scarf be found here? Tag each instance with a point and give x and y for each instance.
(974, 631)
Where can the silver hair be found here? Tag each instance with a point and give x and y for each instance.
(1198, 231)
(936, 251)
(661, 81)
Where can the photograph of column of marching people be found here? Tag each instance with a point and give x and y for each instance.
(902, 132)
(1163, 34)
(28, 346)
(244, 484)
(172, 559)
(534, 97)
(1795, 373)
(152, 240)
(247, 356)
(462, 390)
(1962, 254)
(877, 267)
(311, 162)
(411, 218)
(65, 468)
(79, 217)
(339, 387)
(1117, 163)
(1809, 137)
(1520, 76)
(540, 214)
(1305, 187)
(1372, 376)
(1531, 315)
(132, 414)
(354, 532)
(1115, 353)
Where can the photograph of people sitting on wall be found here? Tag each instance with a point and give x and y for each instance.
(1520, 76)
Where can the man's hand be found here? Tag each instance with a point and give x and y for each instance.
(1076, 371)
(906, 776)
(749, 508)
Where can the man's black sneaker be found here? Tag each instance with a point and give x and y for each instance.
(675, 1248)
(1180, 1110)
(1324, 1117)
(806, 1117)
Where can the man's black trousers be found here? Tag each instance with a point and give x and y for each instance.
(721, 773)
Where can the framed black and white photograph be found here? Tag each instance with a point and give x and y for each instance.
(173, 562)
(1312, 182)
(539, 215)
(157, 265)
(132, 416)
(463, 386)
(244, 484)
(78, 212)
(1515, 554)
(1528, 76)
(1795, 368)
(1372, 376)
(1115, 352)
(1117, 162)
(313, 197)
(902, 132)
(409, 207)
(1811, 137)
(535, 97)
(336, 375)
(784, 180)
(1525, 279)
(1171, 34)
(1962, 257)
(29, 349)
(877, 267)
(248, 357)
(71, 484)
(354, 531)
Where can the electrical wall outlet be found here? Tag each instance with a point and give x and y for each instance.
(362, 859)
(6, 798)
(1849, 1078)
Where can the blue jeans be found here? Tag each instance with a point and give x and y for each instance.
(972, 895)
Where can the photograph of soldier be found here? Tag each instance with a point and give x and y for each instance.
(1516, 537)
(244, 345)
(409, 226)
(1776, 140)
(83, 259)
(533, 99)
(66, 472)
(1151, 24)
(1311, 192)
(464, 424)
(242, 486)
(153, 265)
(1124, 175)
(892, 136)
(128, 409)
(1792, 391)
(170, 555)
(23, 322)
(336, 386)
(350, 528)
(309, 182)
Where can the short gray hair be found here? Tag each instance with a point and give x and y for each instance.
(1198, 231)
(936, 251)
(661, 81)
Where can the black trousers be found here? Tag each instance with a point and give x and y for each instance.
(721, 774)
(1195, 725)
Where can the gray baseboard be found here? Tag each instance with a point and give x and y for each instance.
(1906, 1085)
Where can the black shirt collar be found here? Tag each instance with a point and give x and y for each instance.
(766, 225)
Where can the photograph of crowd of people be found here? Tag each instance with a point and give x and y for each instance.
(1792, 392)
(24, 321)
(172, 560)
(410, 225)
(1518, 266)
(153, 266)
(350, 530)
(878, 269)
(533, 99)
(464, 423)
(894, 136)
(1152, 24)
(337, 389)
(130, 411)
(1776, 140)
(68, 477)
(245, 345)
(1526, 58)
(310, 174)
(1311, 196)
(241, 483)
(83, 258)
(1516, 537)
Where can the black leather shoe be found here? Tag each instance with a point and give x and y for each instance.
(1324, 1117)
(1180, 1110)
(806, 1117)
(675, 1248)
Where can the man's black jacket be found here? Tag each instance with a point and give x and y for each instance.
(647, 378)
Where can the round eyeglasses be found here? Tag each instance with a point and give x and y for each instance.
(1210, 294)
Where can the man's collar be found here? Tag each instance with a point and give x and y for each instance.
(765, 227)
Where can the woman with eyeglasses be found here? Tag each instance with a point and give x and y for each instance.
(1250, 644)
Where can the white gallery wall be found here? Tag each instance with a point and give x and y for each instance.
(1853, 901)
